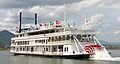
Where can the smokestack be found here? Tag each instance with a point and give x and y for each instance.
(20, 22)
(35, 18)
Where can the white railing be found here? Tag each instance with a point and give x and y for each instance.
(96, 41)
(76, 40)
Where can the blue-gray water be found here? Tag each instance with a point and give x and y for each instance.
(7, 58)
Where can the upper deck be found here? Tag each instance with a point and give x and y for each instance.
(45, 33)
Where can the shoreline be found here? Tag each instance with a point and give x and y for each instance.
(112, 47)
(4, 49)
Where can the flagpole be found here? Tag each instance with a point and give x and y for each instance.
(84, 28)
(85, 23)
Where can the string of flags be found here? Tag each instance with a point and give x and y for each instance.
(51, 24)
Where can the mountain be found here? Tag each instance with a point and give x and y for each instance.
(109, 43)
(5, 38)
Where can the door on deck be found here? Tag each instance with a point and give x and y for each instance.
(54, 48)
(60, 48)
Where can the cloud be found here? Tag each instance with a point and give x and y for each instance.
(102, 14)
(118, 19)
(94, 22)
(94, 19)
(9, 21)
(117, 32)
(31, 3)
(45, 11)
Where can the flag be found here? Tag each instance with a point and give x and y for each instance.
(17, 29)
(86, 22)
(52, 23)
(40, 25)
(58, 22)
(46, 25)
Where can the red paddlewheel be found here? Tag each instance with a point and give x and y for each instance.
(91, 48)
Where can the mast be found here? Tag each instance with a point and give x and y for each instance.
(65, 15)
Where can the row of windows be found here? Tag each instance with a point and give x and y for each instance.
(20, 35)
(40, 41)
(32, 49)
(36, 48)
(81, 38)
(20, 42)
(41, 32)
(60, 38)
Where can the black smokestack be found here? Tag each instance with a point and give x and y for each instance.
(35, 18)
(20, 22)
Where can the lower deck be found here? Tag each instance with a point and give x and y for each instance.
(53, 50)
(74, 56)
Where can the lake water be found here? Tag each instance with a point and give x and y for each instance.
(7, 58)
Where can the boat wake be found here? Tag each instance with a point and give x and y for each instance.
(107, 59)
(103, 55)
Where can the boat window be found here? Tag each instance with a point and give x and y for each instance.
(18, 43)
(17, 48)
(71, 37)
(68, 37)
(59, 38)
(20, 35)
(20, 48)
(91, 38)
(16, 35)
(83, 38)
(56, 39)
(32, 49)
(46, 49)
(13, 42)
(49, 39)
(46, 41)
(52, 39)
(23, 49)
(63, 37)
(43, 41)
(67, 49)
(79, 37)
(27, 48)
(35, 41)
(23, 34)
(60, 47)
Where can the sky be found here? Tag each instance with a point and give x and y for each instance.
(103, 15)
